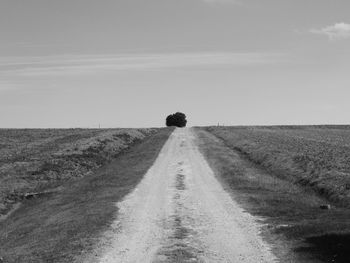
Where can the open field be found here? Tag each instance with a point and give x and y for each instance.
(285, 175)
(35, 160)
(314, 156)
(60, 226)
(206, 194)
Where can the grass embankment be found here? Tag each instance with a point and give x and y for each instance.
(60, 226)
(298, 228)
(318, 157)
(36, 160)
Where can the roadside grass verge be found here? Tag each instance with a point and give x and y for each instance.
(61, 226)
(317, 157)
(38, 160)
(292, 219)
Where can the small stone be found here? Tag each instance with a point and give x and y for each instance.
(325, 207)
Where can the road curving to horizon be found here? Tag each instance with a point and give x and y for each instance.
(180, 212)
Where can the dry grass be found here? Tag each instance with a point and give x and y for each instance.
(33, 160)
(314, 156)
(59, 227)
(299, 230)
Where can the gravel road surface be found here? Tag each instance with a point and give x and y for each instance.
(180, 213)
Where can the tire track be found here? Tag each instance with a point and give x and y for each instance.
(180, 213)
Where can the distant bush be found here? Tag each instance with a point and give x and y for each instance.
(177, 119)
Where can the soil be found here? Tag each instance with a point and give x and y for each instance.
(180, 212)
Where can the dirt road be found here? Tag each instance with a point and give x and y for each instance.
(180, 213)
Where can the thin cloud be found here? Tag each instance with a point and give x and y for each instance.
(335, 32)
(77, 65)
(6, 85)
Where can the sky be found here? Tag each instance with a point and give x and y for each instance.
(130, 63)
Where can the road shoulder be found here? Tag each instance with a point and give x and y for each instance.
(58, 227)
(292, 215)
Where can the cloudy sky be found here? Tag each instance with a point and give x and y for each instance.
(129, 63)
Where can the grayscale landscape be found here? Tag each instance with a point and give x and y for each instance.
(174, 131)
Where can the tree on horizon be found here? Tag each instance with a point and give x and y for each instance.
(177, 119)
